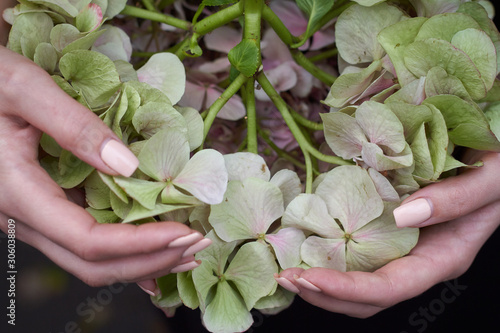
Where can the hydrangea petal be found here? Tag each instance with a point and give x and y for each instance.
(327, 253)
(248, 209)
(286, 245)
(243, 165)
(343, 134)
(204, 176)
(289, 183)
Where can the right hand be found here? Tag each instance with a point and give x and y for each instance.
(99, 254)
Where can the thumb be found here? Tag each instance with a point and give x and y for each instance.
(453, 197)
(31, 94)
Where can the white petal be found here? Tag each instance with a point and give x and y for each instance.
(286, 244)
(244, 165)
(326, 253)
(289, 183)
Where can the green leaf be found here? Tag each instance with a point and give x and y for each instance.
(316, 10)
(92, 74)
(251, 271)
(245, 57)
(187, 290)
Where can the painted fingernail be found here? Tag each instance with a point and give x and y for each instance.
(413, 213)
(186, 267)
(287, 284)
(119, 158)
(186, 240)
(197, 247)
(306, 284)
(149, 287)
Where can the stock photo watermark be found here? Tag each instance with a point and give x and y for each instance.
(11, 272)
(421, 319)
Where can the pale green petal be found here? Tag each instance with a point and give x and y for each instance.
(187, 290)
(343, 134)
(46, 57)
(227, 313)
(445, 26)
(381, 126)
(286, 245)
(251, 270)
(96, 192)
(194, 123)
(395, 39)
(138, 212)
(173, 195)
(309, 212)
(350, 196)
(326, 253)
(275, 303)
(357, 28)
(145, 192)
(422, 156)
(248, 209)
(375, 157)
(289, 183)
(152, 117)
(28, 31)
(243, 165)
(383, 186)
(439, 82)
(164, 155)
(480, 49)
(421, 56)
(165, 72)
(117, 190)
(103, 216)
(379, 242)
(204, 176)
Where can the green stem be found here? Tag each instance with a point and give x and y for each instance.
(306, 122)
(253, 19)
(219, 19)
(292, 125)
(309, 66)
(252, 144)
(278, 26)
(221, 101)
(149, 5)
(156, 17)
(324, 55)
(309, 173)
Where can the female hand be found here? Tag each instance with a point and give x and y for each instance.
(31, 103)
(470, 202)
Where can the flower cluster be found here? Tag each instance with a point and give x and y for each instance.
(287, 132)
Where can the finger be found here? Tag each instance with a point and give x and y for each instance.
(453, 197)
(70, 226)
(149, 286)
(135, 268)
(48, 108)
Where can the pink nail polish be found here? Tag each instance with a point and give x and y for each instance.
(119, 158)
(186, 240)
(413, 213)
(287, 284)
(306, 284)
(186, 267)
(197, 247)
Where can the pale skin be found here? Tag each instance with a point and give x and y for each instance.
(50, 219)
(466, 212)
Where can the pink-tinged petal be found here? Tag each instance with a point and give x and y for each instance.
(286, 244)
(114, 43)
(222, 39)
(380, 83)
(194, 96)
(89, 18)
(204, 176)
(234, 108)
(327, 253)
(322, 38)
(217, 66)
(282, 78)
(291, 15)
(305, 81)
(273, 49)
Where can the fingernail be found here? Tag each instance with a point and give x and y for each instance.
(186, 240)
(413, 213)
(148, 287)
(306, 284)
(119, 158)
(287, 284)
(197, 247)
(186, 267)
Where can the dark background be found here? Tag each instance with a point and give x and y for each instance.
(48, 300)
